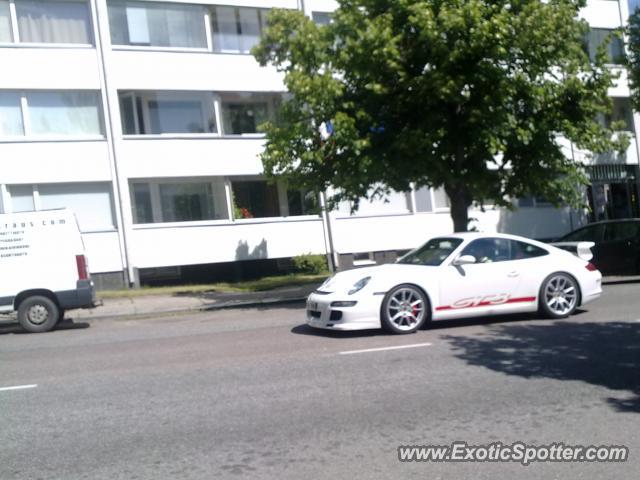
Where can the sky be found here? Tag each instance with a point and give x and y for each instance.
(633, 4)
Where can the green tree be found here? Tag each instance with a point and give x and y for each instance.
(471, 95)
(633, 58)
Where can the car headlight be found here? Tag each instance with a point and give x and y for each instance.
(359, 285)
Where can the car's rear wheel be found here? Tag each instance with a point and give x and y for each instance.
(38, 314)
(405, 309)
(559, 295)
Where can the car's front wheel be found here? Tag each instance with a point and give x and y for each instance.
(559, 295)
(405, 309)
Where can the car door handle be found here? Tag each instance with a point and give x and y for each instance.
(513, 274)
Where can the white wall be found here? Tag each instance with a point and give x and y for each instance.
(49, 162)
(49, 68)
(167, 157)
(103, 251)
(602, 14)
(244, 240)
(157, 70)
(319, 6)
(397, 232)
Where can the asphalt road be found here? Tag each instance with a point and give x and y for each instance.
(256, 394)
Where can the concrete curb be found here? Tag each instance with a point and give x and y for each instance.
(202, 308)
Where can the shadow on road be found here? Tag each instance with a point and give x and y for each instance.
(620, 280)
(305, 329)
(605, 354)
(66, 324)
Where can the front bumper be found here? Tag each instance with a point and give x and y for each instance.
(365, 314)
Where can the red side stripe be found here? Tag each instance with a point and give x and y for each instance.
(486, 304)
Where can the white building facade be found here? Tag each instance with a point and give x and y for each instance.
(141, 116)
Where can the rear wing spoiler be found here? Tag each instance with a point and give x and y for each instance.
(579, 249)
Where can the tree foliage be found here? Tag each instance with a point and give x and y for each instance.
(471, 95)
(633, 58)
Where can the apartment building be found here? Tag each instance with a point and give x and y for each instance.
(141, 116)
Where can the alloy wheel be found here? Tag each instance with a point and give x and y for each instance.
(560, 295)
(406, 309)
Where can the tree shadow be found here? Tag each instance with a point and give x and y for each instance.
(604, 354)
(259, 251)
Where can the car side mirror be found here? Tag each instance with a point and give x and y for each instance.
(464, 260)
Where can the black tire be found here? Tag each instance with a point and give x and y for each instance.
(38, 314)
(405, 308)
(559, 295)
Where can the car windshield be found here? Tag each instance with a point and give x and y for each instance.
(433, 253)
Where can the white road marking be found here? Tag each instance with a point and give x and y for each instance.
(383, 349)
(17, 387)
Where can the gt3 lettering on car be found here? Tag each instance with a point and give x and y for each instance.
(495, 299)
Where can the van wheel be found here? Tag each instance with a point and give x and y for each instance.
(38, 314)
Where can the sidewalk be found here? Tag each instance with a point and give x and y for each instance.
(149, 305)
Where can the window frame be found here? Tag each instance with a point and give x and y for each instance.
(255, 179)
(156, 200)
(212, 17)
(38, 203)
(29, 136)
(159, 48)
(225, 98)
(611, 61)
(16, 41)
(209, 101)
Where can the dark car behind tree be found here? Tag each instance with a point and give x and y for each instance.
(617, 245)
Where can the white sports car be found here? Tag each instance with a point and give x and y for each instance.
(455, 276)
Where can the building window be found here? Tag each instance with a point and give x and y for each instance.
(614, 48)
(321, 18)
(21, 198)
(188, 202)
(302, 202)
(160, 201)
(237, 30)
(424, 200)
(255, 199)
(158, 113)
(64, 113)
(243, 113)
(621, 113)
(92, 203)
(441, 200)
(157, 24)
(57, 21)
(5, 22)
(533, 202)
(46, 114)
(11, 124)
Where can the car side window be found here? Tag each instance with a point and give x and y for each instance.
(621, 231)
(592, 233)
(489, 250)
(524, 250)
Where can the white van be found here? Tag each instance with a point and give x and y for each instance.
(43, 268)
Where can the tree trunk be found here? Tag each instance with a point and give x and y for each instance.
(460, 204)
